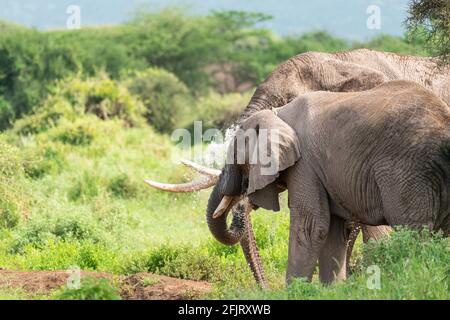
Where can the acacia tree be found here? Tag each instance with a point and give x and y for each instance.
(432, 19)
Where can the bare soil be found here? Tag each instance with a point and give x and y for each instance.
(141, 286)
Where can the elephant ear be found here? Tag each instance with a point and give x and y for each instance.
(271, 146)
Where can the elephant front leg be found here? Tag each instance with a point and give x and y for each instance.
(332, 260)
(309, 218)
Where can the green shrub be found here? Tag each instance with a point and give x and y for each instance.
(163, 95)
(13, 199)
(218, 111)
(121, 186)
(85, 188)
(90, 289)
(79, 133)
(9, 216)
(6, 114)
(75, 97)
(67, 226)
(181, 262)
(42, 160)
(10, 162)
(45, 117)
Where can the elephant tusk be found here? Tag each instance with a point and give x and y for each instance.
(212, 176)
(201, 169)
(225, 205)
(183, 187)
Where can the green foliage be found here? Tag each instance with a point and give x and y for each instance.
(73, 98)
(121, 186)
(29, 62)
(217, 110)
(414, 44)
(90, 289)
(6, 113)
(431, 19)
(78, 133)
(42, 160)
(85, 188)
(9, 216)
(164, 97)
(412, 264)
(32, 63)
(12, 203)
(67, 226)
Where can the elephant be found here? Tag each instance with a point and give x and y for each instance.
(351, 71)
(376, 157)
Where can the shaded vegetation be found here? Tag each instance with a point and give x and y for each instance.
(431, 19)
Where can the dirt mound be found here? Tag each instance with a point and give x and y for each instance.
(141, 286)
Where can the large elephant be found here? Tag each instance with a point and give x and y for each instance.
(351, 71)
(378, 157)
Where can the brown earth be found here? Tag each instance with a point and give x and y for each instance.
(141, 286)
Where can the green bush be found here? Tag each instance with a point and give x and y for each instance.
(13, 200)
(9, 216)
(43, 160)
(163, 95)
(121, 186)
(74, 98)
(46, 117)
(217, 111)
(90, 289)
(85, 188)
(66, 226)
(181, 262)
(6, 114)
(79, 133)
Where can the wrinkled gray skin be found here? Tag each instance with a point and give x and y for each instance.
(351, 71)
(378, 157)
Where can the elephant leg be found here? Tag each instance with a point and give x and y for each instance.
(309, 221)
(332, 259)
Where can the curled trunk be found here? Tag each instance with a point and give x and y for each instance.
(218, 226)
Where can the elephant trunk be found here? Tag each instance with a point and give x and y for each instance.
(240, 230)
(218, 226)
(251, 253)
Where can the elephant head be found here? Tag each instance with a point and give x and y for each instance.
(263, 146)
(240, 187)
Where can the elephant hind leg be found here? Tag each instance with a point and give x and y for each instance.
(332, 260)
